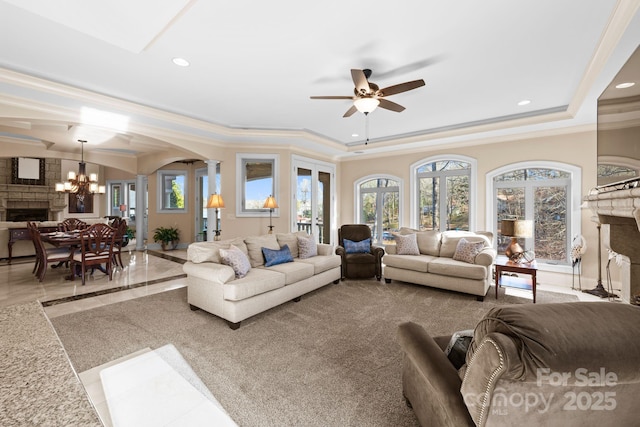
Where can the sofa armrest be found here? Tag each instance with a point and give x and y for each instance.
(391, 249)
(486, 257)
(325, 249)
(211, 271)
(432, 384)
(378, 251)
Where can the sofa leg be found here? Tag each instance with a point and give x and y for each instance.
(193, 307)
(480, 299)
(335, 282)
(233, 326)
(296, 299)
(387, 280)
(378, 278)
(407, 402)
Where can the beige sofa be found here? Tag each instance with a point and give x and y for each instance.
(213, 286)
(564, 364)
(435, 266)
(25, 247)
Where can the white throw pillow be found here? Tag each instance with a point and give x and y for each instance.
(307, 246)
(407, 244)
(236, 259)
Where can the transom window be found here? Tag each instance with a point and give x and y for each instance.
(379, 206)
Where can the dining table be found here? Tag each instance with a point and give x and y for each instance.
(67, 239)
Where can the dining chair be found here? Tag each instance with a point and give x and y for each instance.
(71, 224)
(120, 240)
(96, 248)
(45, 255)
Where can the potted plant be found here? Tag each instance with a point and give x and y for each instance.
(168, 237)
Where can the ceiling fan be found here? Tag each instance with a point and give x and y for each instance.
(367, 95)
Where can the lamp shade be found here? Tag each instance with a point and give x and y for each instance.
(270, 203)
(123, 208)
(215, 201)
(522, 228)
(366, 105)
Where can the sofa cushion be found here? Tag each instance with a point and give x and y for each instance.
(450, 241)
(291, 240)
(236, 259)
(360, 247)
(466, 251)
(273, 257)
(307, 246)
(210, 251)
(322, 263)
(415, 263)
(450, 267)
(407, 244)
(293, 271)
(257, 281)
(255, 245)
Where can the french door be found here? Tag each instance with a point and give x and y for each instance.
(314, 202)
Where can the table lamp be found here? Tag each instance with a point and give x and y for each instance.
(516, 229)
(215, 202)
(270, 204)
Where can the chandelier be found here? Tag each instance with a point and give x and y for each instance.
(81, 184)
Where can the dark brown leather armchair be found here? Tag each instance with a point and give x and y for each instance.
(361, 265)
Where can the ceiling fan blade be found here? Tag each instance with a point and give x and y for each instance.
(402, 87)
(332, 97)
(350, 111)
(360, 80)
(386, 104)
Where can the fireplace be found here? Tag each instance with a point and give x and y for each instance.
(26, 214)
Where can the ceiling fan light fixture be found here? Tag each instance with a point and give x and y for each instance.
(366, 105)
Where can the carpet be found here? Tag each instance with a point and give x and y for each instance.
(329, 360)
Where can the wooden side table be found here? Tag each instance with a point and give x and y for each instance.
(529, 268)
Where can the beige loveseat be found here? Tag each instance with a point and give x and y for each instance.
(213, 286)
(563, 364)
(435, 264)
(25, 247)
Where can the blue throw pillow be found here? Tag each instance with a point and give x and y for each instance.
(275, 257)
(361, 247)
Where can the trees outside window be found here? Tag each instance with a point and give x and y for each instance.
(172, 191)
(542, 195)
(443, 195)
(379, 206)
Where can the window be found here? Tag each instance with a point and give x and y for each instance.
(256, 174)
(172, 191)
(540, 192)
(378, 205)
(444, 189)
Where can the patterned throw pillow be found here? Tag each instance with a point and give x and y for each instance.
(407, 244)
(466, 251)
(361, 247)
(236, 259)
(280, 256)
(307, 246)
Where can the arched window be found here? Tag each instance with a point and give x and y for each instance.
(541, 192)
(378, 206)
(444, 191)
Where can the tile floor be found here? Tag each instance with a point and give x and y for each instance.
(144, 273)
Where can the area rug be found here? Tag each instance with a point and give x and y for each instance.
(331, 359)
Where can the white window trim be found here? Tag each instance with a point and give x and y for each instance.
(360, 181)
(473, 186)
(160, 194)
(575, 200)
(240, 212)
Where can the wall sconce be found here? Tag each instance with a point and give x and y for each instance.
(270, 204)
(215, 202)
(516, 229)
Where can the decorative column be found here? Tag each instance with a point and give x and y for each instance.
(141, 209)
(212, 185)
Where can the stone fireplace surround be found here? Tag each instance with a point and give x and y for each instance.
(617, 209)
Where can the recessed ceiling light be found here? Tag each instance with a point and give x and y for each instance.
(524, 102)
(181, 62)
(355, 135)
(624, 85)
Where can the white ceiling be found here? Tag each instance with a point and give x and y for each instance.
(255, 64)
